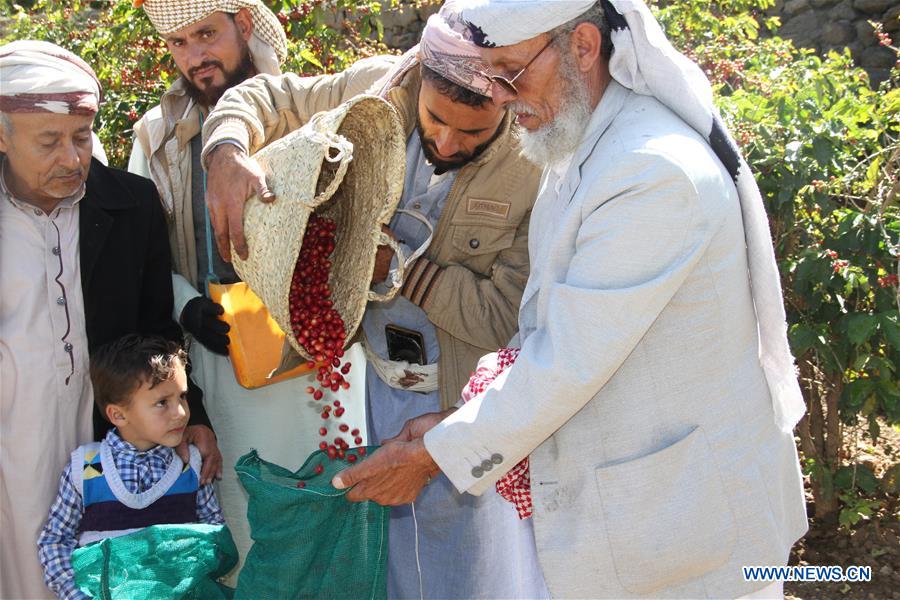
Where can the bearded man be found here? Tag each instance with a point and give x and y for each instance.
(217, 44)
(468, 182)
(83, 261)
(653, 391)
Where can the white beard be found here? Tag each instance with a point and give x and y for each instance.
(559, 138)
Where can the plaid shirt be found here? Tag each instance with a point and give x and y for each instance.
(139, 472)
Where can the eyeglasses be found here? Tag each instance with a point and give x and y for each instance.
(508, 85)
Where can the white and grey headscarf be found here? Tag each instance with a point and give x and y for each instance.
(644, 61)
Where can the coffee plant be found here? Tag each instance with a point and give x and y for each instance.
(135, 68)
(824, 148)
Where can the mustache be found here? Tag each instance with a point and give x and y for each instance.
(205, 65)
(68, 173)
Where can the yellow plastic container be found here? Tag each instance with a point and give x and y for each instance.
(255, 340)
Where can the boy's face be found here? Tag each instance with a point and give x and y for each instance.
(154, 416)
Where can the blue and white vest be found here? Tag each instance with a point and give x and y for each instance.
(110, 510)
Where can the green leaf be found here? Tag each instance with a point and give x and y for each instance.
(891, 329)
(865, 479)
(802, 338)
(860, 327)
(843, 478)
(822, 151)
(872, 173)
(307, 55)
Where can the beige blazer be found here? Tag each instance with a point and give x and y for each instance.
(656, 465)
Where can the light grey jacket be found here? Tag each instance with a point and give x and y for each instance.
(656, 465)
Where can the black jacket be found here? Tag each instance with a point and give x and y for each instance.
(126, 271)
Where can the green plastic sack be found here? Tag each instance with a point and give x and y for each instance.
(161, 561)
(309, 541)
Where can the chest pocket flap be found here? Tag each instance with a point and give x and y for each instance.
(477, 240)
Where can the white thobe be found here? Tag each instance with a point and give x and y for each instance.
(45, 386)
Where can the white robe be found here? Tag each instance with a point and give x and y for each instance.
(43, 418)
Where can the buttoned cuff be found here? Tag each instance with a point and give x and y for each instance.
(421, 279)
(469, 470)
(229, 130)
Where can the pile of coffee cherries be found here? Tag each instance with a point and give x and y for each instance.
(319, 328)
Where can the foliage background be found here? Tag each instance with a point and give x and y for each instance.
(823, 143)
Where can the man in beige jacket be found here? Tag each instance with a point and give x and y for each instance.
(467, 180)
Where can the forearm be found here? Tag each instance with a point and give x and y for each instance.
(265, 108)
(481, 311)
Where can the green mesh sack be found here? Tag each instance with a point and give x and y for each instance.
(309, 541)
(161, 561)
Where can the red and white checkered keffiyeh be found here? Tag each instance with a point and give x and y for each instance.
(515, 486)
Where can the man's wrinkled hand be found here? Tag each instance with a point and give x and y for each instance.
(392, 475)
(205, 440)
(232, 178)
(417, 427)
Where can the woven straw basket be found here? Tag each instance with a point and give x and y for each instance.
(348, 165)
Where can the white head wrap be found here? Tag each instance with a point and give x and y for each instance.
(42, 77)
(507, 22)
(447, 49)
(644, 61)
(268, 45)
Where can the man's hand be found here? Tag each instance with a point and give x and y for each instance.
(200, 318)
(417, 427)
(383, 258)
(394, 474)
(205, 440)
(231, 179)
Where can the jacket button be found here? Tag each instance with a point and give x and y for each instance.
(55, 250)
(68, 347)
(474, 243)
(61, 300)
(487, 465)
(496, 458)
(477, 472)
(38, 212)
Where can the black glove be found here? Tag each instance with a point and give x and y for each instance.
(200, 318)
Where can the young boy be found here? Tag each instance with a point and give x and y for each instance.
(133, 478)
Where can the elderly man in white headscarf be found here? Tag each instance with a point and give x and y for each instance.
(467, 180)
(84, 260)
(654, 392)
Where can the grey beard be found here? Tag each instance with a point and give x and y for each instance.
(560, 138)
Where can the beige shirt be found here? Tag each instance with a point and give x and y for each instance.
(44, 380)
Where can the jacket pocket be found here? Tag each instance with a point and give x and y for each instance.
(667, 516)
(477, 240)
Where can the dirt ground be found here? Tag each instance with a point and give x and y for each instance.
(874, 542)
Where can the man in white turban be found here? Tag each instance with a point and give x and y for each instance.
(83, 261)
(468, 182)
(654, 392)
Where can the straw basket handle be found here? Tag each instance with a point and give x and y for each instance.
(396, 275)
(344, 155)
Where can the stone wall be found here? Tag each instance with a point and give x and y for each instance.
(818, 24)
(835, 24)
